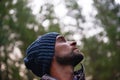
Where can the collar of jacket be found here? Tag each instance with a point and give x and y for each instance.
(78, 75)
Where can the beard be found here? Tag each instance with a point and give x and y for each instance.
(70, 59)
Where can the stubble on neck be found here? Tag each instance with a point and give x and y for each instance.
(61, 72)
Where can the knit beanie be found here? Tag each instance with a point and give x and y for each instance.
(40, 53)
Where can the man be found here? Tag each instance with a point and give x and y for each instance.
(51, 57)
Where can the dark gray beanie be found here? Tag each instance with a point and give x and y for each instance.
(40, 53)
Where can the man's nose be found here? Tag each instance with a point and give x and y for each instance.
(73, 43)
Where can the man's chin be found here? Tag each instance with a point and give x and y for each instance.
(72, 59)
(77, 58)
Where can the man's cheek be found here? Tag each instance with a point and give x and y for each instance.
(66, 51)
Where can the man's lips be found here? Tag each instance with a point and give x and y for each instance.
(76, 50)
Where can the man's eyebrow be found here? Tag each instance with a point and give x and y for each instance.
(59, 36)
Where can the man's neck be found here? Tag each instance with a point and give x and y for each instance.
(61, 72)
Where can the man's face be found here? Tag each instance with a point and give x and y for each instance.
(66, 53)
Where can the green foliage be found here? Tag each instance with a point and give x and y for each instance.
(18, 29)
(54, 28)
(102, 58)
(14, 32)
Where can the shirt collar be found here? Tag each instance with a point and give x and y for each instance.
(47, 77)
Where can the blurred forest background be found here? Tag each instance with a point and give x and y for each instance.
(19, 27)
